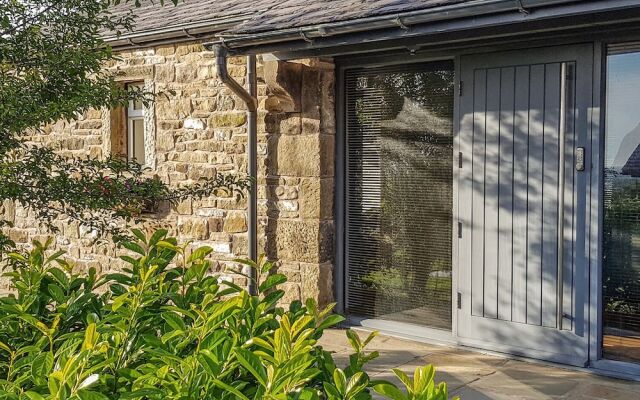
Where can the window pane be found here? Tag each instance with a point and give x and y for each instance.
(399, 145)
(137, 104)
(621, 272)
(136, 148)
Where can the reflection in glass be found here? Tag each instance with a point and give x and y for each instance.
(621, 264)
(399, 205)
(137, 103)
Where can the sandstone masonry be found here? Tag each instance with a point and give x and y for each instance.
(197, 128)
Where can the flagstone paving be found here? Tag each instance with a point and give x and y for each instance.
(477, 376)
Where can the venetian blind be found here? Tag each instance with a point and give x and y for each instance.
(399, 192)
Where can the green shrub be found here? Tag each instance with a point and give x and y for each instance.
(164, 328)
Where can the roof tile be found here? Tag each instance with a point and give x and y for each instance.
(267, 15)
(300, 13)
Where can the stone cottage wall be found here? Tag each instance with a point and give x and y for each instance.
(197, 128)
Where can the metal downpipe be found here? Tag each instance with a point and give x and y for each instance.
(250, 99)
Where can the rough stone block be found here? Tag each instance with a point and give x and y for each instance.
(215, 224)
(316, 198)
(174, 109)
(8, 211)
(195, 228)
(294, 155)
(233, 119)
(186, 73)
(166, 50)
(184, 49)
(317, 282)
(165, 141)
(301, 240)
(154, 60)
(185, 207)
(288, 205)
(327, 109)
(93, 114)
(235, 222)
(310, 126)
(223, 248)
(282, 123)
(327, 156)
(95, 152)
(311, 93)
(165, 73)
(239, 244)
(207, 104)
(284, 86)
(18, 235)
(134, 73)
(291, 293)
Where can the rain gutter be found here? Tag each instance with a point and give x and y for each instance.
(177, 33)
(402, 21)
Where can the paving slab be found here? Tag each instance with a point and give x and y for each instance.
(474, 375)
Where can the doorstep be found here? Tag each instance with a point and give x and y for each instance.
(478, 376)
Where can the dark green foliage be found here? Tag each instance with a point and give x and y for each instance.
(52, 59)
(164, 328)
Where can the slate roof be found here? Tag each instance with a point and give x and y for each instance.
(266, 15)
(298, 13)
(150, 16)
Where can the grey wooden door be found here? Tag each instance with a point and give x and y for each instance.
(524, 119)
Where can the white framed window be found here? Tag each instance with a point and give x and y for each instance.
(136, 127)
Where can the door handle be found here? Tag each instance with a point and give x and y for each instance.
(561, 184)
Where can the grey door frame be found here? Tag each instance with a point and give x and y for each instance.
(532, 341)
(402, 55)
(618, 368)
(411, 331)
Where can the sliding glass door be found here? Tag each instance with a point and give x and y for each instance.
(399, 122)
(621, 263)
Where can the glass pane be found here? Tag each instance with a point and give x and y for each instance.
(136, 104)
(621, 272)
(136, 145)
(399, 144)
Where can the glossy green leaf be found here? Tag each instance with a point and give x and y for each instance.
(157, 236)
(356, 384)
(330, 321)
(272, 281)
(134, 247)
(252, 364)
(390, 391)
(42, 366)
(230, 388)
(84, 394)
(340, 381)
(34, 396)
(404, 378)
(174, 321)
(91, 337)
(200, 253)
(354, 340)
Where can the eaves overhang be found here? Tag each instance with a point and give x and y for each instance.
(204, 30)
(325, 39)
